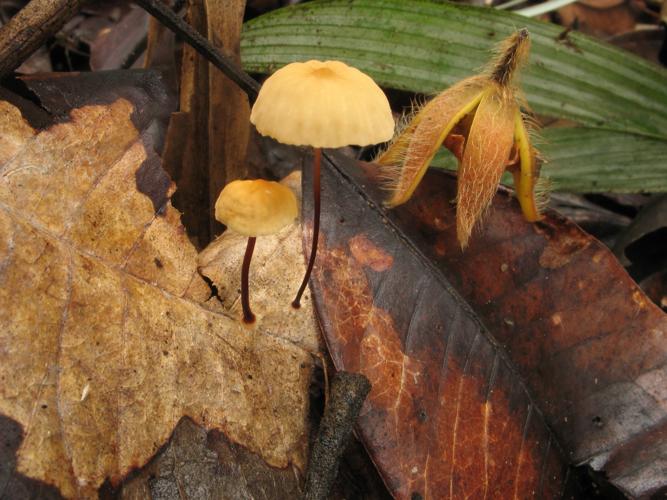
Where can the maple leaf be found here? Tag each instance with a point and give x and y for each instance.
(104, 344)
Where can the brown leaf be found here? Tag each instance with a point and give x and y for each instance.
(565, 310)
(474, 356)
(103, 343)
(14, 131)
(600, 18)
(117, 44)
(197, 464)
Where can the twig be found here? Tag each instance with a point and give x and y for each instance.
(348, 392)
(166, 16)
(543, 8)
(33, 25)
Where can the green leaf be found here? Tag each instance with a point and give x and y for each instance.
(589, 160)
(425, 46)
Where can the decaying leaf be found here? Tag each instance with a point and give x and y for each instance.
(276, 272)
(474, 357)
(590, 345)
(447, 415)
(197, 464)
(104, 345)
(14, 131)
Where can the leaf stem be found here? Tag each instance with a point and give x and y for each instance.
(233, 71)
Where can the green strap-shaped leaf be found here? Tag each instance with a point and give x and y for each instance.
(425, 46)
(589, 160)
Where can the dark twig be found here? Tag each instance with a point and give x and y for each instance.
(168, 18)
(348, 392)
(33, 25)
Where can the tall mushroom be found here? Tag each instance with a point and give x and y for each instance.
(254, 208)
(324, 105)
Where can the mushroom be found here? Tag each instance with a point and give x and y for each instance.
(254, 208)
(324, 105)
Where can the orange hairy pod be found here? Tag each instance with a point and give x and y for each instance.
(480, 120)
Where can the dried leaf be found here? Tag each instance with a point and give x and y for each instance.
(276, 272)
(587, 341)
(203, 465)
(103, 343)
(119, 44)
(600, 18)
(449, 340)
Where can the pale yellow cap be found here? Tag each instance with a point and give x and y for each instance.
(256, 207)
(322, 104)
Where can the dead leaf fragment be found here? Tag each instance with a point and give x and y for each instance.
(14, 131)
(446, 416)
(103, 347)
(197, 464)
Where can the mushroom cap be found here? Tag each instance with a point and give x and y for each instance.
(322, 104)
(256, 207)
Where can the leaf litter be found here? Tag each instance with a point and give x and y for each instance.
(104, 344)
(496, 368)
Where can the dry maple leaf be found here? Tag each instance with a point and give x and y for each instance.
(104, 345)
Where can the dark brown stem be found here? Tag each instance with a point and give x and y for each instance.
(316, 226)
(248, 316)
(30, 28)
(166, 16)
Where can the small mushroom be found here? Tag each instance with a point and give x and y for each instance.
(324, 105)
(254, 208)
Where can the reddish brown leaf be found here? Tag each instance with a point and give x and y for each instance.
(474, 356)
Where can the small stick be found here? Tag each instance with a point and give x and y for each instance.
(348, 392)
(248, 316)
(316, 226)
(33, 25)
(166, 16)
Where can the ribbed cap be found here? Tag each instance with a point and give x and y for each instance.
(256, 207)
(322, 104)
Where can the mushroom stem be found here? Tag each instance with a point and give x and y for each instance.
(316, 225)
(248, 316)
